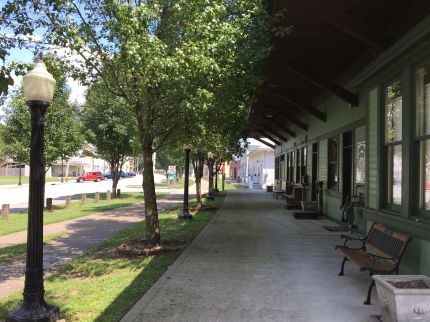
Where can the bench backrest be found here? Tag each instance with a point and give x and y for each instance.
(386, 243)
(289, 188)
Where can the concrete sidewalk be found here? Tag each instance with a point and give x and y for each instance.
(255, 262)
(83, 233)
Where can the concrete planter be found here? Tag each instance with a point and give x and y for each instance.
(400, 304)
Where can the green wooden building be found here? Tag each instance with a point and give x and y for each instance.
(346, 101)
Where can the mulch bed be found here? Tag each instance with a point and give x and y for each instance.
(139, 247)
(418, 284)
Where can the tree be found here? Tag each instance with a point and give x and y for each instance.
(2, 147)
(62, 130)
(155, 55)
(172, 154)
(107, 121)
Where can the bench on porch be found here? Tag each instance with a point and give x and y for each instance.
(309, 210)
(293, 196)
(277, 193)
(380, 253)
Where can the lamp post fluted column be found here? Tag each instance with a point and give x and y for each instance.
(216, 178)
(185, 211)
(38, 91)
(210, 195)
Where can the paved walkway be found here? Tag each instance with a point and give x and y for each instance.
(255, 262)
(83, 233)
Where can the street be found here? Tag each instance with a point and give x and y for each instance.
(17, 196)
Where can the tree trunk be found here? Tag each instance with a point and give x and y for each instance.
(151, 212)
(115, 177)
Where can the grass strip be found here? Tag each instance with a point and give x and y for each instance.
(178, 185)
(101, 285)
(18, 221)
(8, 253)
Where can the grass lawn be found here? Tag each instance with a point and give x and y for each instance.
(178, 185)
(18, 221)
(227, 185)
(15, 180)
(7, 253)
(101, 285)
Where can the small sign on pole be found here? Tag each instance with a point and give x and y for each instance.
(172, 169)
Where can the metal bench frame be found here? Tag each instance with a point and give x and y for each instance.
(380, 253)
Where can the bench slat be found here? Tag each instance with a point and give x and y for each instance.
(364, 262)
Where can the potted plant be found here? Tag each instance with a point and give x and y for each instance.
(404, 298)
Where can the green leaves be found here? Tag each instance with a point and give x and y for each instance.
(62, 126)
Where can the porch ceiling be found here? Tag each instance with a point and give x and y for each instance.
(331, 41)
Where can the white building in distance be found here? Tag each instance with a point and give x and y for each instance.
(257, 166)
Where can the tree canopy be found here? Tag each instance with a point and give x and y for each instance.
(178, 65)
(107, 122)
(63, 132)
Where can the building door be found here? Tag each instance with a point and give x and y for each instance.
(314, 170)
(347, 166)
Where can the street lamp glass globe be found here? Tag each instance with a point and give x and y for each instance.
(39, 84)
(210, 155)
(188, 146)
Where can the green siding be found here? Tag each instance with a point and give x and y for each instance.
(372, 149)
(340, 163)
(332, 206)
(359, 136)
(322, 164)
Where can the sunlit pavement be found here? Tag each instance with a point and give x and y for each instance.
(255, 262)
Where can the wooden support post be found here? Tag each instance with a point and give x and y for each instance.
(5, 211)
(84, 199)
(108, 195)
(97, 197)
(320, 190)
(68, 201)
(49, 204)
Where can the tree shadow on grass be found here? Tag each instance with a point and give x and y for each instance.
(103, 271)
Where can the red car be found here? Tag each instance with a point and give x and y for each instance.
(90, 176)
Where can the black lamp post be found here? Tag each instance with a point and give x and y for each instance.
(185, 211)
(216, 179)
(38, 91)
(210, 195)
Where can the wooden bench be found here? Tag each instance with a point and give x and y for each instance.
(277, 192)
(309, 210)
(294, 197)
(380, 253)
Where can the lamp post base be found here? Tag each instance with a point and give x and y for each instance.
(185, 215)
(35, 310)
(210, 196)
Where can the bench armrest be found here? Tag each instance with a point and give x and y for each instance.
(348, 238)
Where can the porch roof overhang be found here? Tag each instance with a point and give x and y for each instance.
(331, 42)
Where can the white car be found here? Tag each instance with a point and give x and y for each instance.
(159, 178)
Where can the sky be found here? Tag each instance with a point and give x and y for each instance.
(27, 56)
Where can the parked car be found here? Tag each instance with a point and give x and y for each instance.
(122, 174)
(131, 174)
(90, 176)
